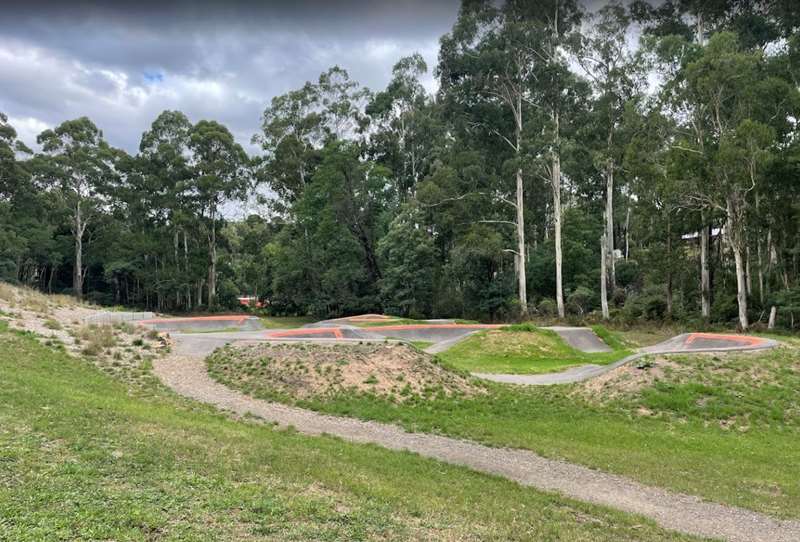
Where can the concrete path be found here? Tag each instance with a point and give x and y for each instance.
(581, 338)
(185, 372)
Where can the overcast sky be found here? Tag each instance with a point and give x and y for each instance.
(121, 65)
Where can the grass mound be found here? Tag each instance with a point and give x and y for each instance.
(526, 349)
(302, 371)
(733, 391)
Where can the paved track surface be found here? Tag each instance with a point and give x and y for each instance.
(581, 338)
(686, 343)
(185, 372)
(237, 322)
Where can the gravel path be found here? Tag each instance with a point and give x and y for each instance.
(185, 372)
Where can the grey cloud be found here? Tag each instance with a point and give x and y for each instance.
(123, 64)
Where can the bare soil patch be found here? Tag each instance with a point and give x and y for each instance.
(302, 371)
(123, 350)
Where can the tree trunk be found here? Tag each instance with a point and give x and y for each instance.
(627, 231)
(556, 182)
(773, 313)
(212, 268)
(521, 274)
(705, 276)
(77, 274)
(612, 279)
(669, 265)
(53, 269)
(736, 241)
(557, 235)
(748, 278)
(603, 278)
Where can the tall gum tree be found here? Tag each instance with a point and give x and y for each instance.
(491, 64)
(747, 111)
(610, 64)
(219, 173)
(78, 166)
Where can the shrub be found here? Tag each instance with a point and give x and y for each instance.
(581, 300)
(52, 324)
(650, 304)
(547, 307)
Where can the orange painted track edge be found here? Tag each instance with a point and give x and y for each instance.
(335, 331)
(741, 339)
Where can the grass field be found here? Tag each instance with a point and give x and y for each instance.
(526, 349)
(722, 427)
(82, 460)
(285, 322)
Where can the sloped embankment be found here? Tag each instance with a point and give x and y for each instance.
(303, 371)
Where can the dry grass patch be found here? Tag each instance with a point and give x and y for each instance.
(303, 371)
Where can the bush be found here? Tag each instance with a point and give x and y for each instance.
(628, 274)
(581, 300)
(650, 304)
(618, 297)
(547, 307)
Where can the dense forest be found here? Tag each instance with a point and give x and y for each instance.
(638, 162)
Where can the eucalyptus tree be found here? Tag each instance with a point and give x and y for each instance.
(78, 166)
(611, 66)
(741, 111)
(159, 201)
(487, 66)
(16, 194)
(296, 126)
(220, 172)
(404, 124)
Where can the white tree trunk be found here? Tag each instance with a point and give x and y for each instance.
(521, 275)
(735, 239)
(603, 279)
(212, 268)
(556, 181)
(522, 256)
(78, 229)
(705, 277)
(610, 224)
(627, 232)
(773, 313)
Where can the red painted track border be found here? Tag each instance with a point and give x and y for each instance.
(740, 339)
(335, 331)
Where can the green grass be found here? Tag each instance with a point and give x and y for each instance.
(281, 322)
(526, 349)
(421, 345)
(725, 428)
(80, 459)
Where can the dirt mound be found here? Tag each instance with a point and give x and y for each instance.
(301, 371)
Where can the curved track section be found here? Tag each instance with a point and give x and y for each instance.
(235, 322)
(686, 343)
(433, 332)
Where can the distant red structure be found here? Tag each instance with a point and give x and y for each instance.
(250, 301)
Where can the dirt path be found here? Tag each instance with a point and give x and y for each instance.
(185, 372)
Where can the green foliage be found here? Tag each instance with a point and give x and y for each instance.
(650, 304)
(408, 257)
